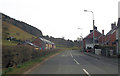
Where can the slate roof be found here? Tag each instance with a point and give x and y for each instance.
(111, 31)
(91, 33)
(46, 41)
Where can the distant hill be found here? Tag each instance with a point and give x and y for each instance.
(63, 42)
(23, 31)
(22, 25)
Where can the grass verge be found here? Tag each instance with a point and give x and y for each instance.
(21, 68)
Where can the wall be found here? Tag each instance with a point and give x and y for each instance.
(89, 45)
(98, 51)
(111, 38)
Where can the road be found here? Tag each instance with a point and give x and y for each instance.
(75, 62)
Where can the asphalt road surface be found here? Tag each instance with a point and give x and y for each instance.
(75, 62)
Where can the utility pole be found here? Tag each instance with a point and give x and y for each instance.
(118, 51)
(93, 27)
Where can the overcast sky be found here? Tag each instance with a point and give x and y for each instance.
(61, 18)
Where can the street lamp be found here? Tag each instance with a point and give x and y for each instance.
(93, 25)
(81, 37)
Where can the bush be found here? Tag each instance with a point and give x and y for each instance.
(19, 66)
(13, 56)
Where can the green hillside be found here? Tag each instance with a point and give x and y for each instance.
(22, 25)
(9, 30)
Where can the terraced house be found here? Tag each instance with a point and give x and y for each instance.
(88, 40)
(110, 38)
(43, 43)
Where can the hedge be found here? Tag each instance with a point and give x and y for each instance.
(14, 55)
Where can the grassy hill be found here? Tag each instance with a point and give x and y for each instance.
(22, 25)
(9, 30)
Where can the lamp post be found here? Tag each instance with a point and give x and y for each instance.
(93, 25)
(81, 38)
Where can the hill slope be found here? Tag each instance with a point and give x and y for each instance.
(22, 25)
(10, 30)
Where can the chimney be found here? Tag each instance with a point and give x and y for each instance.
(103, 32)
(91, 31)
(113, 25)
(95, 28)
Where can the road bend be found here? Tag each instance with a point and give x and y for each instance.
(75, 62)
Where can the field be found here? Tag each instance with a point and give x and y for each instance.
(67, 48)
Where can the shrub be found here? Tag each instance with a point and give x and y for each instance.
(13, 56)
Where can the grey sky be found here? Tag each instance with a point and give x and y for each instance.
(60, 18)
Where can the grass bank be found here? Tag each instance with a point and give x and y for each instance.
(21, 68)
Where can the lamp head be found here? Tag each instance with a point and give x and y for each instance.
(85, 10)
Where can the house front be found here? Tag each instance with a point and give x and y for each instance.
(43, 43)
(88, 40)
(110, 38)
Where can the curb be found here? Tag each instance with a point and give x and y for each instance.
(102, 58)
(92, 55)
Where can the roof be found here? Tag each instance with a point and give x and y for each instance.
(46, 41)
(92, 32)
(31, 44)
(111, 31)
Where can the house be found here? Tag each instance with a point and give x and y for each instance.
(88, 40)
(43, 43)
(101, 38)
(110, 38)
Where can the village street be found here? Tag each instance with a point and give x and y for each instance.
(76, 62)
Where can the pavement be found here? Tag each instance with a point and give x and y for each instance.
(76, 62)
(104, 58)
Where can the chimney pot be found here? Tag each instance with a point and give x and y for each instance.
(103, 32)
(91, 31)
(113, 25)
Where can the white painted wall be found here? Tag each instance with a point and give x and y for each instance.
(97, 51)
(89, 45)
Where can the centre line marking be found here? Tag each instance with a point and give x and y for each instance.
(71, 55)
(86, 72)
(74, 59)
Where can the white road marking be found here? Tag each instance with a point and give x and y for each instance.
(71, 54)
(86, 72)
(74, 59)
